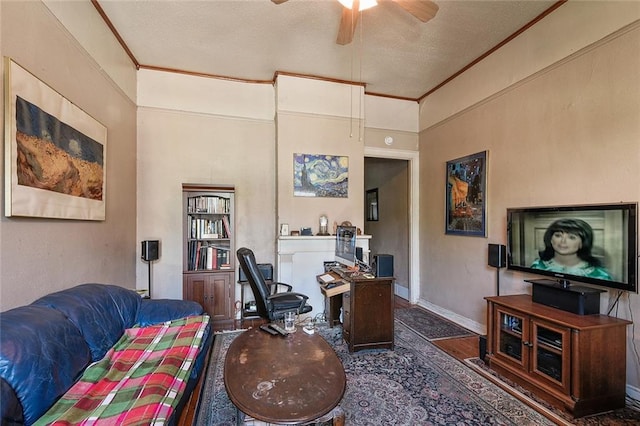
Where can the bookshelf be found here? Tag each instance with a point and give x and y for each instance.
(209, 250)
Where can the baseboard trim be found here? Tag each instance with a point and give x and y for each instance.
(452, 316)
(401, 291)
(633, 392)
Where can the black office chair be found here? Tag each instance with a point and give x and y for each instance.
(270, 303)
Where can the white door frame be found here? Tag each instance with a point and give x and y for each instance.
(413, 157)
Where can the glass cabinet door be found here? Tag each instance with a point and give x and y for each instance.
(512, 337)
(551, 349)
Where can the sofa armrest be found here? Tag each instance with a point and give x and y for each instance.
(10, 409)
(154, 311)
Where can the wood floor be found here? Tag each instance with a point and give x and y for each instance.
(459, 347)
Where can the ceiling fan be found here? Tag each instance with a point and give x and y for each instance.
(424, 10)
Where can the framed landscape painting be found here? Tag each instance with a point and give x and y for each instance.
(55, 153)
(466, 190)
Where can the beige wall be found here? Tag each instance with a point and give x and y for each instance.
(304, 134)
(567, 135)
(38, 256)
(318, 117)
(193, 142)
(176, 148)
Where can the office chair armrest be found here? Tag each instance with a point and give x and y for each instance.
(273, 287)
(303, 298)
(288, 294)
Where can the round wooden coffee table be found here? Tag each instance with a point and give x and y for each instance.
(285, 380)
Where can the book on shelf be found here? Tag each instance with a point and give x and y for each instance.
(210, 236)
(210, 258)
(227, 226)
(206, 256)
(208, 204)
(208, 228)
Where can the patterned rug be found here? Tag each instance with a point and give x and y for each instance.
(630, 415)
(429, 325)
(415, 384)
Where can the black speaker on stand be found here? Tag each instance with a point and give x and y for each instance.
(150, 252)
(498, 259)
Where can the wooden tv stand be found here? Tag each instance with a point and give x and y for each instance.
(574, 361)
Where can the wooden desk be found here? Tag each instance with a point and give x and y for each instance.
(332, 296)
(367, 311)
(367, 314)
(284, 380)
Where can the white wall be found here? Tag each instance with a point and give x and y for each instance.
(567, 134)
(38, 256)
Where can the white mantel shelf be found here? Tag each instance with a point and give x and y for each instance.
(317, 237)
(301, 259)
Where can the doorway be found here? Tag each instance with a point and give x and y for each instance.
(395, 176)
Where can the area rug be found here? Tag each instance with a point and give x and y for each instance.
(429, 325)
(630, 415)
(414, 384)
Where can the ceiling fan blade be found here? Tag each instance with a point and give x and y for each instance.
(347, 26)
(424, 10)
(278, 1)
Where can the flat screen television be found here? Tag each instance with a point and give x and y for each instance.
(593, 244)
(346, 245)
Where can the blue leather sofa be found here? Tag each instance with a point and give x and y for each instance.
(45, 346)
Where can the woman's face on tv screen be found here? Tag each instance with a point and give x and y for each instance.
(565, 243)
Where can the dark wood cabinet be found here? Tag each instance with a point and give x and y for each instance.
(367, 314)
(214, 292)
(576, 361)
(209, 256)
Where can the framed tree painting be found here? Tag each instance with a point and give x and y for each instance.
(55, 153)
(466, 190)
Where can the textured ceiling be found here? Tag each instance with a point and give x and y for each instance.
(393, 53)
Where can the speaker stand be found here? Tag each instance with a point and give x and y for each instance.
(149, 262)
(497, 281)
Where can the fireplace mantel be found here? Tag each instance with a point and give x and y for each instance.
(300, 260)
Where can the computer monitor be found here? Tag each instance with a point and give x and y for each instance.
(346, 245)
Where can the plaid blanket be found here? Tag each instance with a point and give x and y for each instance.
(138, 382)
